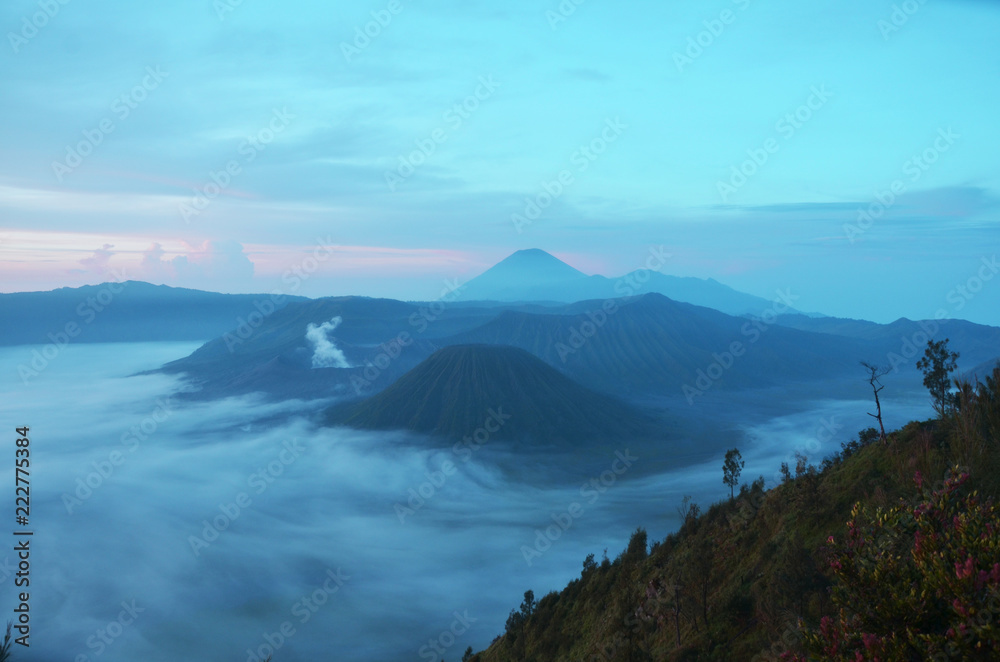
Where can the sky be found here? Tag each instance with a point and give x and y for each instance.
(846, 152)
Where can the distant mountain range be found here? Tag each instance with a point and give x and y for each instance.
(534, 275)
(905, 340)
(134, 311)
(130, 311)
(652, 343)
(642, 347)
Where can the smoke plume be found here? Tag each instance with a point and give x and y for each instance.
(326, 354)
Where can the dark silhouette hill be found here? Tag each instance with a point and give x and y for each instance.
(378, 337)
(652, 343)
(457, 389)
(977, 343)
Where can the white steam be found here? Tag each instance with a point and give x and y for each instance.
(326, 354)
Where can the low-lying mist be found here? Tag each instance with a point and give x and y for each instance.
(170, 530)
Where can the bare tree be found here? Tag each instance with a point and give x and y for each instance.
(875, 373)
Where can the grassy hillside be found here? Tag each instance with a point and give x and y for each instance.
(735, 581)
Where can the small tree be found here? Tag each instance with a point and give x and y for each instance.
(637, 546)
(529, 604)
(731, 470)
(688, 510)
(875, 373)
(515, 626)
(937, 364)
(514, 631)
(786, 473)
(467, 655)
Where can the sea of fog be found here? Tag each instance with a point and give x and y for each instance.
(166, 529)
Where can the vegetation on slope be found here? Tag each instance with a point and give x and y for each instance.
(779, 573)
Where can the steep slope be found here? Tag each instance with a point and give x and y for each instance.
(733, 582)
(527, 275)
(652, 343)
(380, 338)
(457, 389)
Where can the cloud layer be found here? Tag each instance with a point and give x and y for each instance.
(222, 522)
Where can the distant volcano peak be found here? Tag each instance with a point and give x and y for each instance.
(536, 262)
(533, 275)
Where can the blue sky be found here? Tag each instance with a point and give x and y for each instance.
(409, 151)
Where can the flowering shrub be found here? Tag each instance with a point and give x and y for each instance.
(915, 582)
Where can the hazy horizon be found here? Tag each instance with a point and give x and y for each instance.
(954, 302)
(848, 153)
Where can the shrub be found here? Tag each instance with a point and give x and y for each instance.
(915, 582)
